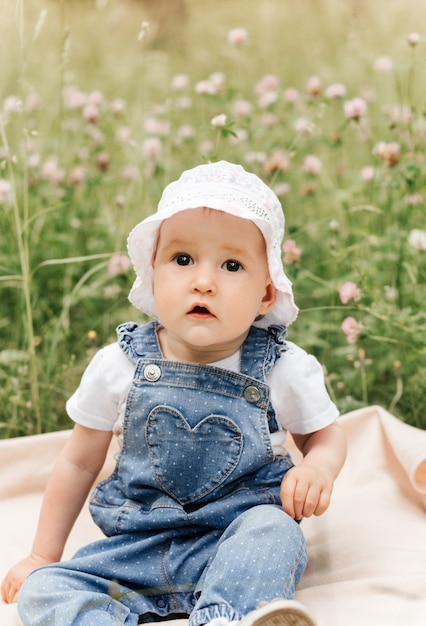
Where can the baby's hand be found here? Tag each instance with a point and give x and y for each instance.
(306, 490)
(17, 574)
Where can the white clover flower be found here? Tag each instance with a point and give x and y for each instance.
(206, 87)
(152, 148)
(217, 79)
(13, 104)
(179, 82)
(355, 108)
(417, 239)
(74, 98)
(118, 106)
(6, 192)
(291, 95)
(77, 175)
(96, 97)
(304, 127)
(368, 173)
(52, 172)
(383, 65)
(266, 99)
(154, 126)
(242, 108)
(256, 157)
(312, 165)
(313, 86)
(185, 132)
(269, 82)
(123, 134)
(91, 112)
(218, 121)
(388, 153)
(337, 90)
(413, 39)
(391, 293)
(237, 36)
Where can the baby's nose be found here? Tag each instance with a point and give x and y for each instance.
(204, 279)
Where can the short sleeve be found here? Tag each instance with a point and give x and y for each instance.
(103, 390)
(298, 393)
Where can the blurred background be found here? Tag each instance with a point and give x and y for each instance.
(102, 103)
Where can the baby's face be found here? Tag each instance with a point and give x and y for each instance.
(211, 281)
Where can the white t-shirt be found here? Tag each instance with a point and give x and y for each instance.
(298, 394)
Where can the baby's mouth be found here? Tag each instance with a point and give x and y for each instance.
(200, 310)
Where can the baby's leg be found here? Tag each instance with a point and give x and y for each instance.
(58, 596)
(117, 579)
(261, 556)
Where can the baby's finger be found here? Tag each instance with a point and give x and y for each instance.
(323, 503)
(288, 486)
(300, 496)
(5, 592)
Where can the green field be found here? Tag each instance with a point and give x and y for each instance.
(102, 103)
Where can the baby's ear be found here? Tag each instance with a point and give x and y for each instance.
(268, 299)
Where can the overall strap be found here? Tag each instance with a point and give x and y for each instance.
(139, 341)
(259, 353)
(261, 350)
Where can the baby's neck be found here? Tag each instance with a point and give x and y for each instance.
(175, 350)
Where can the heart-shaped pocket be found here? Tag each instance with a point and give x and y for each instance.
(189, 463)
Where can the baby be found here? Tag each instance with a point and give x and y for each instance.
(201, 514)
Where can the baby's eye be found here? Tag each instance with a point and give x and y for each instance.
(232, 266)
(182, 259)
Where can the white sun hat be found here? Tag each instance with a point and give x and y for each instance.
(225, 187)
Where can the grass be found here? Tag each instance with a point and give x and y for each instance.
(94, 122)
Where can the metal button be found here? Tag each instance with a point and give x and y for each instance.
(152, 373)
(252, 394)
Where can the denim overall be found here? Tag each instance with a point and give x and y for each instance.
(192, 514)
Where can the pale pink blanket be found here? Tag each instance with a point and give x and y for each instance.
(367, 554)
